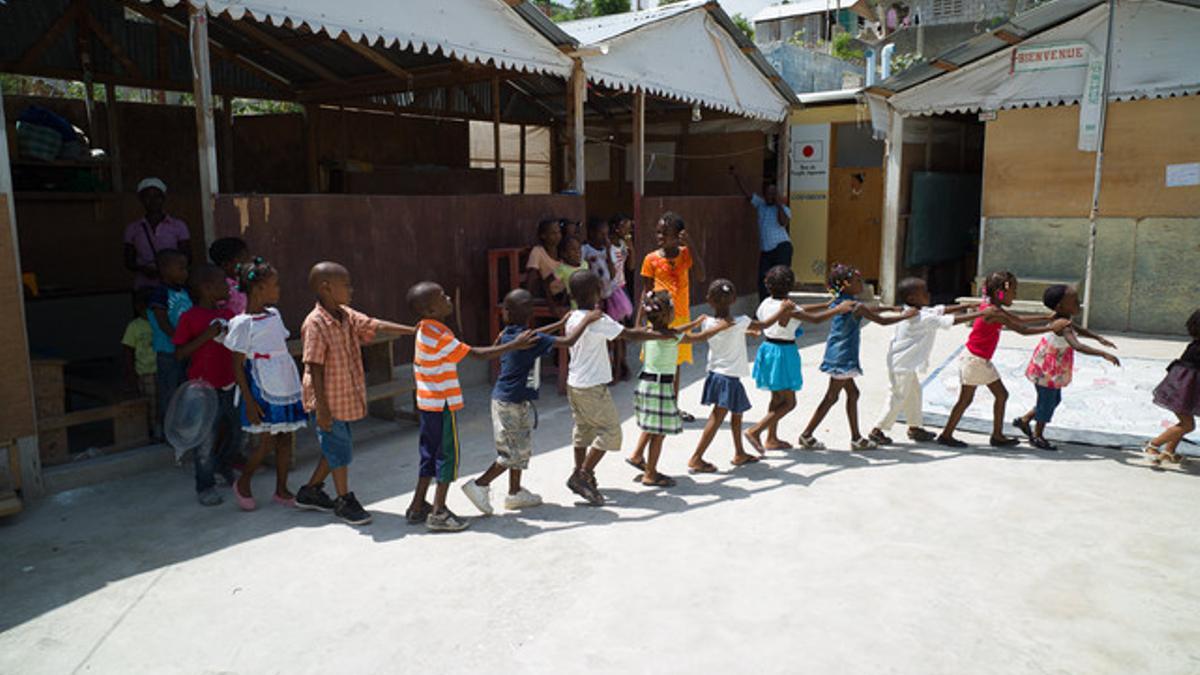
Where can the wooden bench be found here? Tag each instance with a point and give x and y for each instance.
(512, 259)
(383, 387)
(130, 418)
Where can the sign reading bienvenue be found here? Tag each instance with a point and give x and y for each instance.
(1044, 57)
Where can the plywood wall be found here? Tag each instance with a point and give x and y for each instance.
(16, 396)
(1032, 167)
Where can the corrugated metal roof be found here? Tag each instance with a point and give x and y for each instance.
(800, 8)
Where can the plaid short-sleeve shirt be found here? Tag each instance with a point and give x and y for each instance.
(337, 345)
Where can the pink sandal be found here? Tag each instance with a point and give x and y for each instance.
(289, 502)
(243, 502)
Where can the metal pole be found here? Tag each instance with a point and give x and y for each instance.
(1091, 251)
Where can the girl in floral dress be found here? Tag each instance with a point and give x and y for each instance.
(1053, 362)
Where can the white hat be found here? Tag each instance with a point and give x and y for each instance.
(152, 183)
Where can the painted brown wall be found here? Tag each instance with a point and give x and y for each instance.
(723, 230)
(16, 397)
(1033, 167)
(389, 243)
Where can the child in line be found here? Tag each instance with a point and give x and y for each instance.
(271, 394)
(197, 341)
(597, 427)
(668, 268)
(1179, 392)
(513, 399)
(168, 301)
(908, 356)
(570, 251)
(727, 364)
(334, 386)
(1053, 363)
(841, 362)
(620, 303)
(140, 360)
(230, 253)
(654, 399)
(975, 366)
(439, 397)
(777, 364)
(540, 279)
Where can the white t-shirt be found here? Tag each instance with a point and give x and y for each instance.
(727, 349)
(913, 342)
(769, 308)
(589, 364)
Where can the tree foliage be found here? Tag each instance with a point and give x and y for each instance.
(744, 25)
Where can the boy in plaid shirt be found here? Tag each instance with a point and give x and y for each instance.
(335, 389)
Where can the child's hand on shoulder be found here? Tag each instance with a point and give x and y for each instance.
(847, 307)
(788, 306)
(1059, 325)
(526, 340)
(593, 316)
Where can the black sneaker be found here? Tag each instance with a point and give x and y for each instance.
(349, 510)
(313, 498)
(580, 485)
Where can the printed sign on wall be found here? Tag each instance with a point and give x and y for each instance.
(810, 158)
(1044, 57)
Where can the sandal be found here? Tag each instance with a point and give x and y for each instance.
(880, 438)
(418, 515)
(686, 416)
(289, 502)
(950, 442)
(1042, 444)
(863, 443)
(1020, 423)
(244, 503)
(1002, 441)
(640, 466)
(921, 435)
(658, 481)
(745, 459)
(704, 467)
(810, 443)
(1151, 450)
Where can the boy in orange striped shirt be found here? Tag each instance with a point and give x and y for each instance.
(439, 396)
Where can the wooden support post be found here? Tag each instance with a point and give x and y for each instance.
(576, 97)
(312, 113)
(639, 153)
(114, 137)
(205, 133)
(889, 265)
(496, 135)
(226, 113)
(522, 154)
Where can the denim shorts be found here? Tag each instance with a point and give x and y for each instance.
(336, 444)
(1047, 400)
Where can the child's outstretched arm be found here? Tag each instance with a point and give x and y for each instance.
(704, 335)
(558, 325)
(571, 338)
(1083, 332)
(1073, 340)
(964, 317)
(826, 314)
(523, 341)
(691, 325)
(389, 329)
(875, 317)
(1009, 321)
(642, 334)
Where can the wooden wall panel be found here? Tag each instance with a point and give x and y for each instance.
(16, 397)
(724, 231)
(1033, 168)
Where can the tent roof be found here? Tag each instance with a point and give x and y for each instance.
(677, 51)
(1157, 45)
(483, 31)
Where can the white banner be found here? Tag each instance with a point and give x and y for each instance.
(1089, 106)
(1044, 57)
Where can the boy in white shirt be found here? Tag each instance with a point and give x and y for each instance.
(908, 356)
(597, 425)
(727, 364)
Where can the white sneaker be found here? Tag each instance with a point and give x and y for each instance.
(480, 496)
(522, 500)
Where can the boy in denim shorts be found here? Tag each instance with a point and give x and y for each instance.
(512, 402)
(335, 389)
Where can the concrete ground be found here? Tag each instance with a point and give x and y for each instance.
(906, 560)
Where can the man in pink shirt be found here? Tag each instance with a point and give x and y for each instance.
(154, 232)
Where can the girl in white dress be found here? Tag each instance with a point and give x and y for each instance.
(267, 379)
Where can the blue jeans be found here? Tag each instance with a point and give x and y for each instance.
(214, 453)
(168, 377)
(1047, 400)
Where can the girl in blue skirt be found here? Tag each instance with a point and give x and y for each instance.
(267, 380)
(777, 365)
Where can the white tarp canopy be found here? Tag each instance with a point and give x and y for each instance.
(679, 51)
(468, 30)
(1157, 55)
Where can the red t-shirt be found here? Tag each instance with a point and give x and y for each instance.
(212, 362)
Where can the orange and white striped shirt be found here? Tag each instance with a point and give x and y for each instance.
(435, 366)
